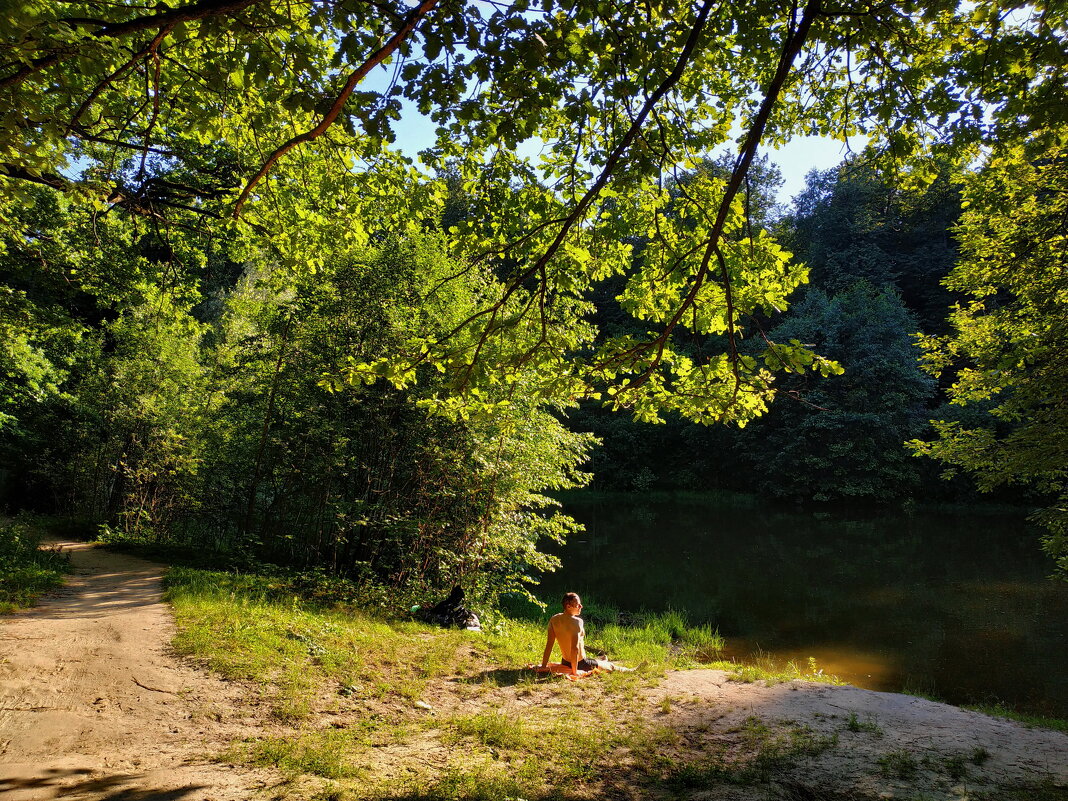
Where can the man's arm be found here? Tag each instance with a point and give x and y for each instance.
(548, 647)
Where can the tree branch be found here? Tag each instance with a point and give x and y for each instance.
(117, 30)
(402, 32)
(692, 39)
(790, 51)
(104, 84)
(34, 176)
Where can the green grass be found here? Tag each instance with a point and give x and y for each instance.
(765, 668)
(369, 707)
(995, 709)
(769, 752)
(493, 729)
(480, 783)
(1042, 791)
(329, 755)
(247, 627)
(254, 627)
(956, 766)
(308, 658)
(856, 725)
(26, 570)
(1037, 721)
(898, 764)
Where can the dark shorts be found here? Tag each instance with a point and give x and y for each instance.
(584, 664)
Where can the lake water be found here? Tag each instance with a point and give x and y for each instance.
(948, 603)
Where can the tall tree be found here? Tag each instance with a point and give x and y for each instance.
(855, 223)
(842, 438)
(389, 485)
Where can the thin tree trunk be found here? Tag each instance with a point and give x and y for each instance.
(265, 430)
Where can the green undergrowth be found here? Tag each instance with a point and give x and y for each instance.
(262, 628)
(27, 570)
(1036, 721)
(259, 628)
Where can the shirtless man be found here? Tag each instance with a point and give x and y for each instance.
(566, 628)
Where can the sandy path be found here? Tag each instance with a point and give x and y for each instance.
(93, 704)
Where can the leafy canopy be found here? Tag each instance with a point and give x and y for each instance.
(259, 110)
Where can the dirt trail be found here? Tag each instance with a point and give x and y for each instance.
(93, 704)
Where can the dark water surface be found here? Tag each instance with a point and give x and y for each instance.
(947, 603)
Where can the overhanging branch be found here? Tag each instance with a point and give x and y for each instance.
(405, 29)
(118, 30)
(791, 49)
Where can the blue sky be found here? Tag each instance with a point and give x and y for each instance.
(803, 154)
(795, 160)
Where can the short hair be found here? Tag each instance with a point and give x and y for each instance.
(571, 598)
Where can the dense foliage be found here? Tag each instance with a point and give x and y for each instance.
(260, 109)
(222, 421)
(1006, 351)
(842, 439)
(27, 570)
(839, 438)
(233, 313)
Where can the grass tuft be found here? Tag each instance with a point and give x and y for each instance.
(1033, 721)
(854, 724)
(899, 764)
(764, 668)
(493, 729)
(26, 570)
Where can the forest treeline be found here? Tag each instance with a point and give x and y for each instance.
(180, 397)
(889, 285)
(236, 317)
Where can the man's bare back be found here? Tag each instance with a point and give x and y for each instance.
(569, 631)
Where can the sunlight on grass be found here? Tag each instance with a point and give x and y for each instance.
(240, 629)
(244, 628)
(1037, 721)
(329, 754)
(362, 671)
(766, 669)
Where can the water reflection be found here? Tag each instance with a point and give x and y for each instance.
(951, 604)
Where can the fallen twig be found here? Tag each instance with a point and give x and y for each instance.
(153, 689)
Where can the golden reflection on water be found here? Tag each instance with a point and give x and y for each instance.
(869, 670)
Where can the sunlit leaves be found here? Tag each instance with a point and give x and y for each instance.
(210, 97)
(1010, 332)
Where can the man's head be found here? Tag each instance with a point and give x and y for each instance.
(572, 603)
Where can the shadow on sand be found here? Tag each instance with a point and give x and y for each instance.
(77, 783)
(507, 677)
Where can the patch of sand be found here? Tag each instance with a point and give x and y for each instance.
(954, 753)
(94, 705)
